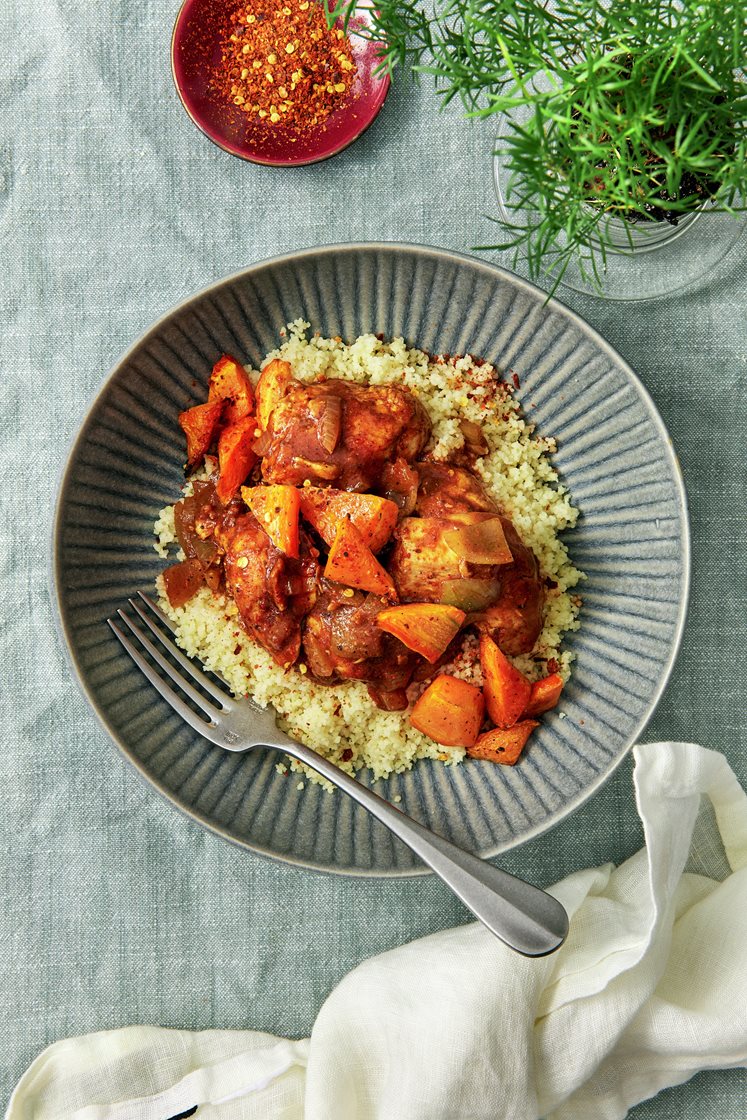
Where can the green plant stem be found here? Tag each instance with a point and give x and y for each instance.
(634, 108)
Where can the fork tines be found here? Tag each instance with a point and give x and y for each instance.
(144, 642)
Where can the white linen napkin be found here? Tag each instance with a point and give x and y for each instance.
(650, 987)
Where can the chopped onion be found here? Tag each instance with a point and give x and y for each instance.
(483, 542)
(474, 438)
(328, 471)
(262, 443)
(470, 594)
(330, 423)
(470, 516)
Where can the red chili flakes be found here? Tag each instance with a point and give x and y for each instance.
(515, 379)
(346, 755)
(282, 65)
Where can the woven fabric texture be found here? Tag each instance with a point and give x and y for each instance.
(113, 207)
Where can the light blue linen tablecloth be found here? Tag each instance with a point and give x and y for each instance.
(116, 909)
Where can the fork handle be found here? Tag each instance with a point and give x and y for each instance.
(521, 915)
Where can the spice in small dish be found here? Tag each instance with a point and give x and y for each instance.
(283, 66)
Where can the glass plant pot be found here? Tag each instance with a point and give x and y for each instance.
(627, 260)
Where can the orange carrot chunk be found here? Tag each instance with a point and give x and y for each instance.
(503, 745)
(450, 711)
(230, 382)
(235, 457)
(426, 628)
(544, 695)
(353, 563)
(373, 517)
(274, 381)
(507, 691)
(200, 425)
(276, 509)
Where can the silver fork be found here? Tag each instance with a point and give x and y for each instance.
(521, 915)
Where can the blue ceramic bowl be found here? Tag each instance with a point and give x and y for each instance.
(614, 454)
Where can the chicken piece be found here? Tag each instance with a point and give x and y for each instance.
(421, 562)
(341, 433)
(272, 591)
(195, 519)
(342, 641)
(514, 621)
(506, 600)
(445, 489)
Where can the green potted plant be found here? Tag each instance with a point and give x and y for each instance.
(619, 119)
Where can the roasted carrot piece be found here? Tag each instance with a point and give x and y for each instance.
(276, 509)
(230, 382)
(200, 426)
(450, 711)
(272, 386)
(235, 457)
(507, 691)
(373, 517)
(503, 745)
(353, 563)
(544, 695)
(426, 628)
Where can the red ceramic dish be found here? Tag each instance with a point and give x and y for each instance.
(195, 53)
